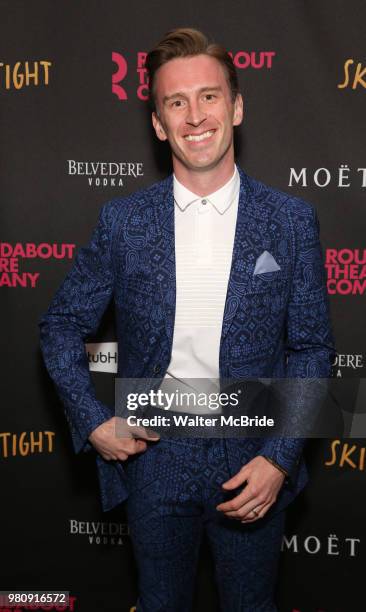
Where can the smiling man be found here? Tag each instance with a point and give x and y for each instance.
(214, 276)
(196, 111)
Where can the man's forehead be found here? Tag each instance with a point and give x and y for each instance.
(195, 89)
(190, 74)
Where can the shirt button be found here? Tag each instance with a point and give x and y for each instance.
(204, 201)
(157, 368)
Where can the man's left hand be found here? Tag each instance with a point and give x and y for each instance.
(264, 481)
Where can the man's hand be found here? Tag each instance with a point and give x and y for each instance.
(263, 484)
(114, 439)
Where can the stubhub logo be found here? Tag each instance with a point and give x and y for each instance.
(102, 356)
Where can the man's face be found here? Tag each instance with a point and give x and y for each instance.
(195, 112)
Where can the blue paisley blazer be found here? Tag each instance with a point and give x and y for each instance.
(275, 324)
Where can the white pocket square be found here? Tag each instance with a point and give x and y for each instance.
(266, 263)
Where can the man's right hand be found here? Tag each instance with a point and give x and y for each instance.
(115, 439)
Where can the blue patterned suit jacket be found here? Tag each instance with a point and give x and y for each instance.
(275, 324)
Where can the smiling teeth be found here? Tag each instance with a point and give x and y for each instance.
(200, 136)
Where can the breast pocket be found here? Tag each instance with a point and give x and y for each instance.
(269, 282)
(267, 297)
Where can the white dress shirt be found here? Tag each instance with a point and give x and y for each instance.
(204, 238)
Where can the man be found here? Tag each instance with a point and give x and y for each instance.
(214, 275)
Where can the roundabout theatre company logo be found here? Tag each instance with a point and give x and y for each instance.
(243, 60)
(346, 271)
(14, 255)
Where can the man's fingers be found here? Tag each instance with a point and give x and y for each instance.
(135, 431)
(129, 446)
(122, 456)
(108, 456)
(244, 510)
(261, 511)
(132, 446)
(123, 430)
(249, 515)
(117, 441)
(236, 480)
(144, 433)
(140, 446)
(232, 506)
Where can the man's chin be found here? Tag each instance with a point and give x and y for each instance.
(200, 165)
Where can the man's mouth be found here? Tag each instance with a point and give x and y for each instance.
(198, 137)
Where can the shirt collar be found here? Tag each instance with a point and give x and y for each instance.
(220, 199)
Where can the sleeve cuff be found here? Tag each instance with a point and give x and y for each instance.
(279, 467)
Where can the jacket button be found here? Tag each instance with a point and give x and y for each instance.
(157, 368)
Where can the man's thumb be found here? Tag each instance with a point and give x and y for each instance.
(145, 433)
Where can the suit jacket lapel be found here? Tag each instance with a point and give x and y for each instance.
(248, 245)
(163, 253)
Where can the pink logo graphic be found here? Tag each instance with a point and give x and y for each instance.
(119, 75)
(346, 271)
(11, 255)
(241, 59)
(252, 59)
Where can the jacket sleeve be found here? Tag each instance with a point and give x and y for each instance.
(309, 340)
(73, 315)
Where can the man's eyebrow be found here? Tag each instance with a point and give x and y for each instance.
(181, 94)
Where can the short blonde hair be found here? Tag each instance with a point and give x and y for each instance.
(187, 42)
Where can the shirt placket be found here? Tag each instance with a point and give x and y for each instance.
(204, 233)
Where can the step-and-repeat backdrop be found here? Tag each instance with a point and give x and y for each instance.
(75, 133)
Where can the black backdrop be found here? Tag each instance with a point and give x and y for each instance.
(301, 73)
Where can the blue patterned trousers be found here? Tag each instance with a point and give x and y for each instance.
(174, 488)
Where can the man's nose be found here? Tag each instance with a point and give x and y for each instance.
(195, 115)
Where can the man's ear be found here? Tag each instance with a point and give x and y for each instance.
(158, 127)
(238, 110)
